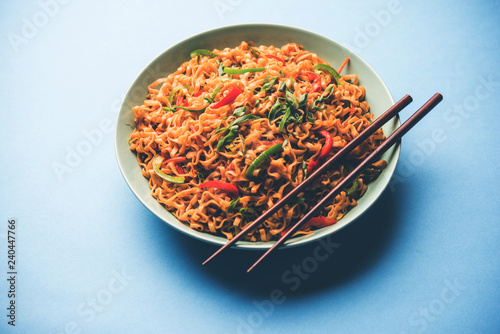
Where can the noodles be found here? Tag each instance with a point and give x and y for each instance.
(255, 120)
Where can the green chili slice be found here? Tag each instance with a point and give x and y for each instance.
(175, 90)
(172, 179)
(354, 187)
(202, 52)
(263, 156)
(327, 68)
(229, 70)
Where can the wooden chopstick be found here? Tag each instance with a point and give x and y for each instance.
(391, 140)
(390, 113)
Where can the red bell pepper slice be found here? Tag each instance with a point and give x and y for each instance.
(352, 111)
(179, 169)
(179, 102)
(198, 94)
(316, 81)
(277, 58)
(223, 186)
(311, 166)
(327, 147)
(325, 150)
(273, 57)
(176, 160)
(318, 222)
(228, 99)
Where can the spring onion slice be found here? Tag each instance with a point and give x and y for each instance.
(172, 179)
(190, 109)
(232, 205)
(175, 90)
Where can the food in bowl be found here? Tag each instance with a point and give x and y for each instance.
(231, 131)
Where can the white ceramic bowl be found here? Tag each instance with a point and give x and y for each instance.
(377, 96)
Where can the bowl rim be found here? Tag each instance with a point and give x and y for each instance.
(219, 240)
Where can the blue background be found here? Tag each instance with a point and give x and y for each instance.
(93, 259)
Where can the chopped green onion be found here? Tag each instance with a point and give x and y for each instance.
(298, 200)
(310, 117)
(243, 119)
(304, 169)
(318, 104)
(202, 52)
(263, 156)
(285, 142)
(282, 74)
(291, 100)
(233, 132)
(214, 93)
(282, 87)
(277, 106)
(327, 93)
(220, 70)
(229, 70)
(172, 179)
(257, 102)
(232, 205)
(303, 101)
(239, 111)
(330, 70)
(254, 52)
(285, 118)
(269, 84)
(244, 146)
(189, 109)
(248, 212)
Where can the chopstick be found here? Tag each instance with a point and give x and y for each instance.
(391, 140)
(381, 120)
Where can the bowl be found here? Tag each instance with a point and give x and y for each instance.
(377, 95)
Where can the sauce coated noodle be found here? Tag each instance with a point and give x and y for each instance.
(201, 84)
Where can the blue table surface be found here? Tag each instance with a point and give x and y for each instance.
(90, 258)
